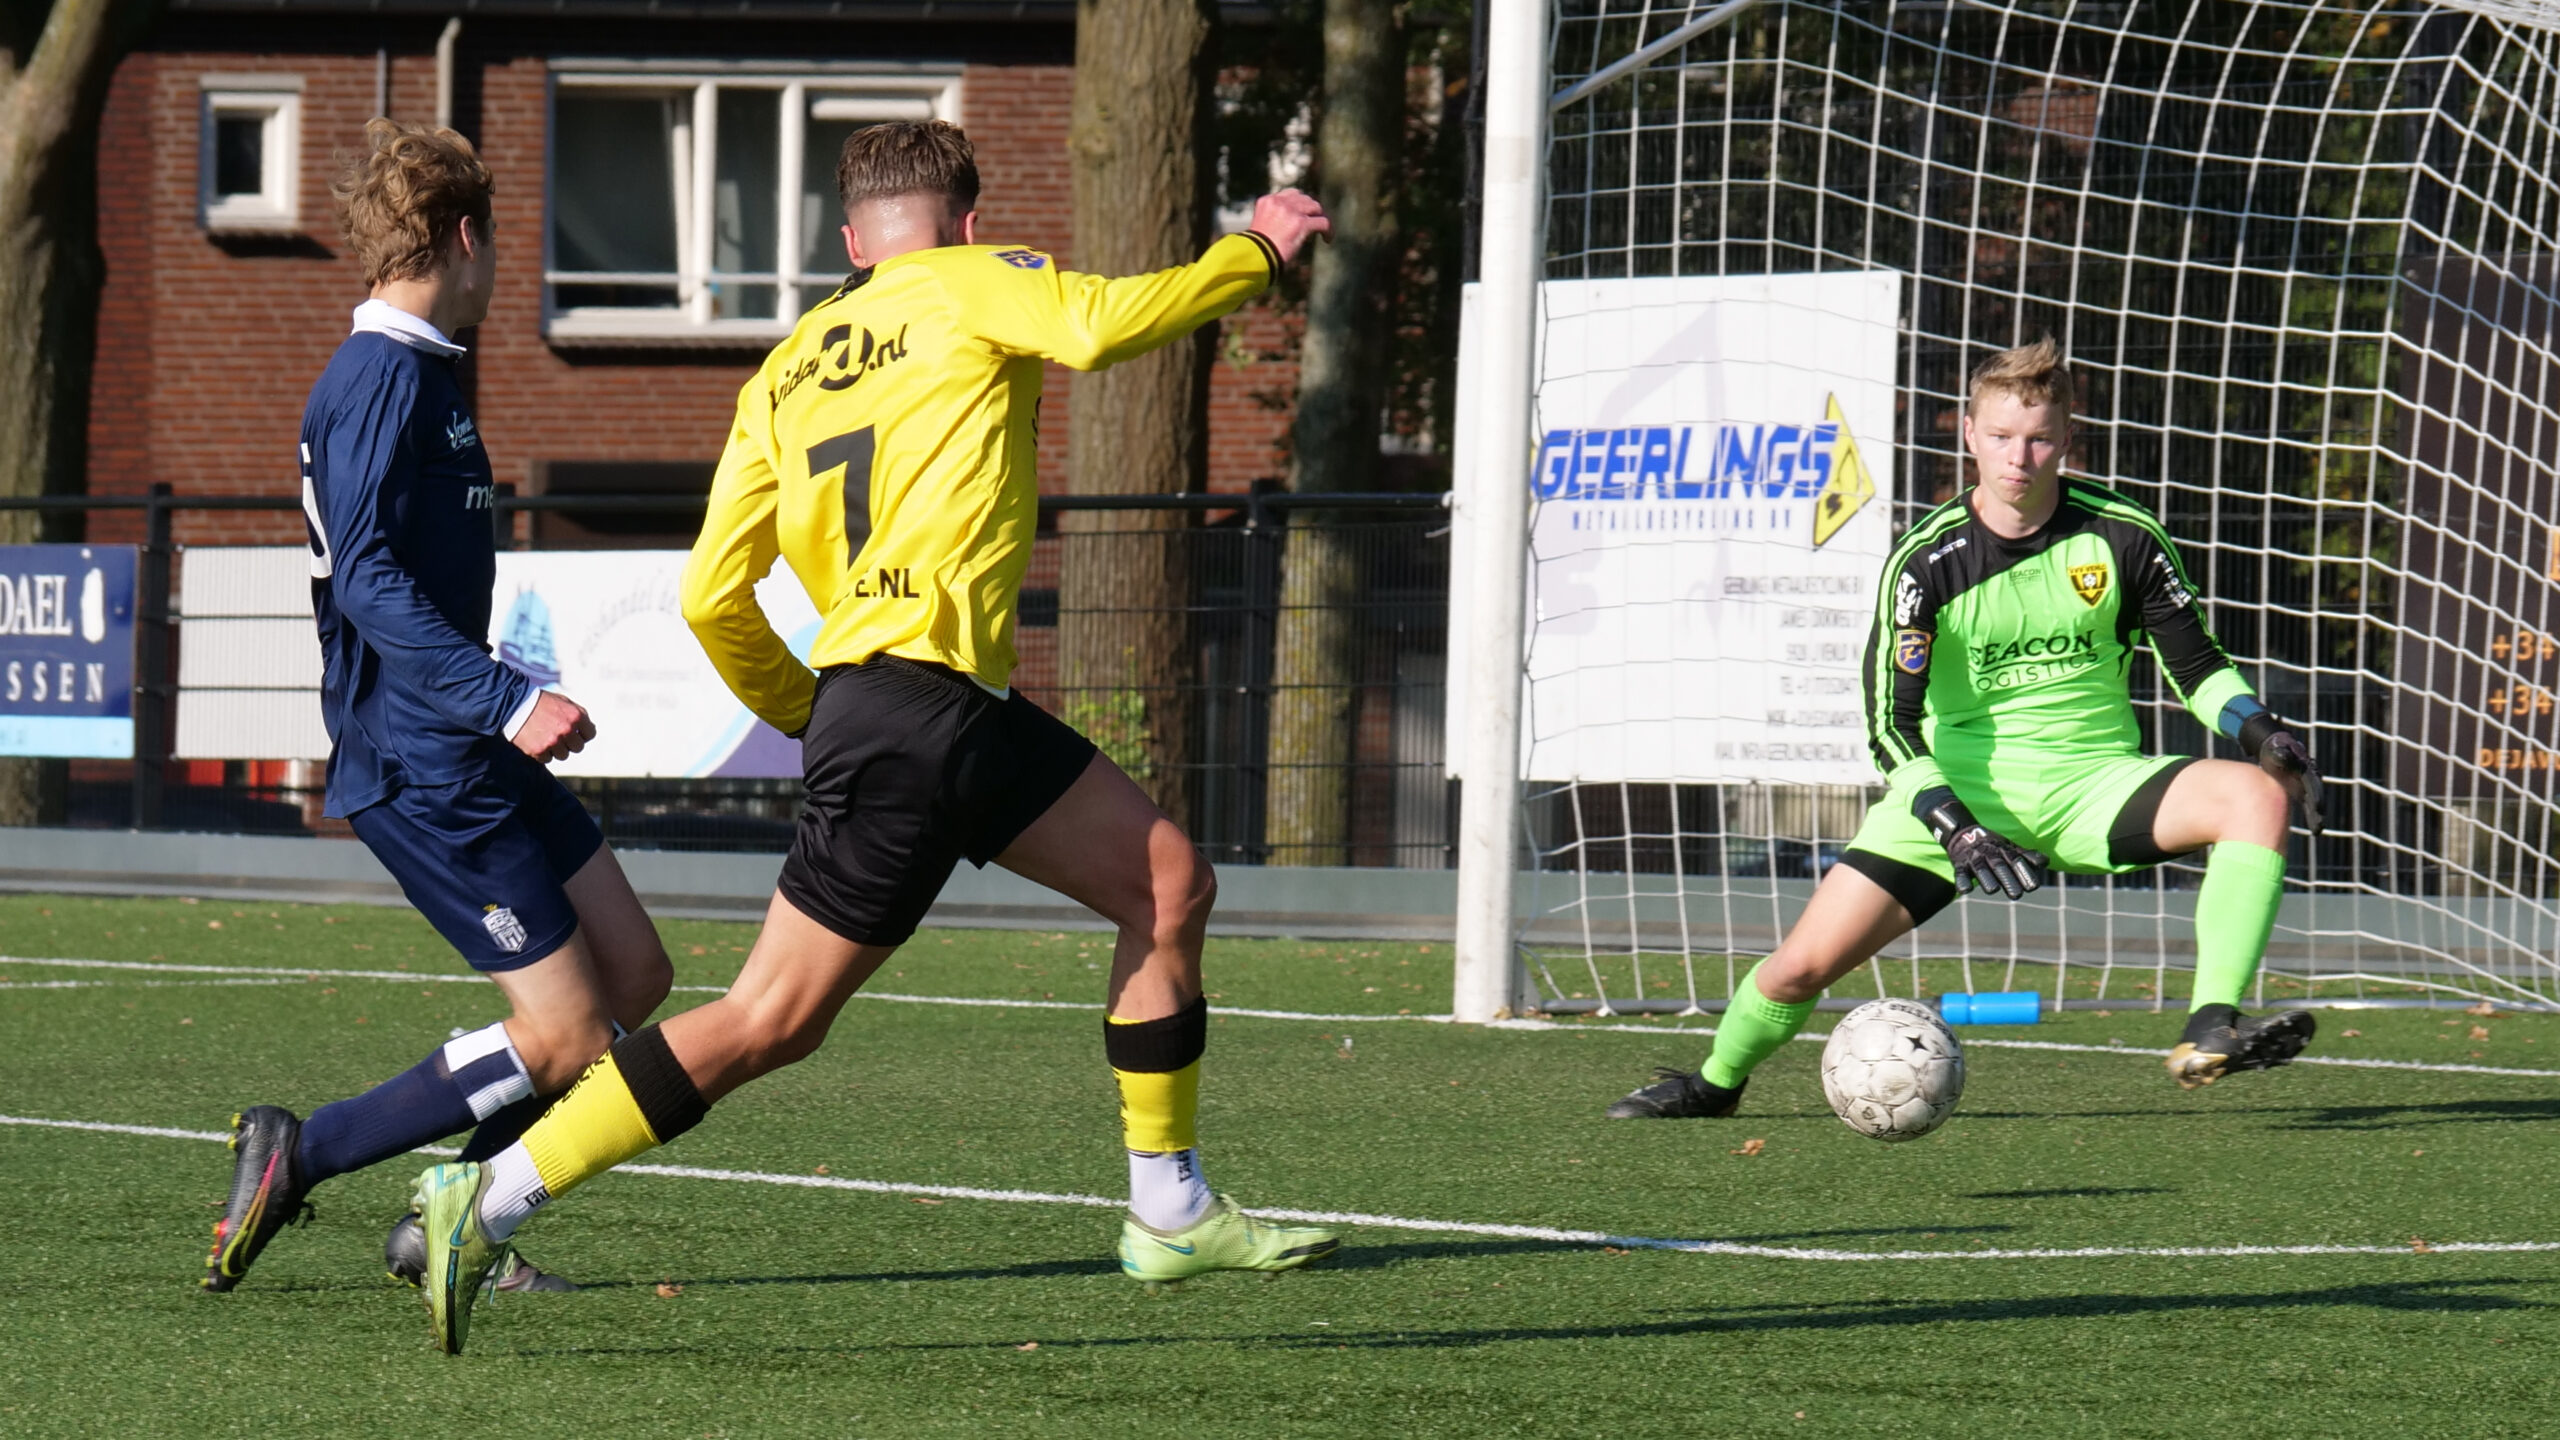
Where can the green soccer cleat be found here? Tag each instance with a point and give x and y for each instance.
(404, 1258)
(459, 1255)
(1224, 1239)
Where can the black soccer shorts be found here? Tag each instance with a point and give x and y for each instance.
(911, 766)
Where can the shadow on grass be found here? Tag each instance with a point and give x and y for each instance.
(1354, 1257)
(2408, 1297)
(2397, 1117)
(2083, 1192)
(1862, 1234)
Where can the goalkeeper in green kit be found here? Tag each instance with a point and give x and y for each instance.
(2000, 710)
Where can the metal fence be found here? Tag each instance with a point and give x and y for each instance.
(1283, 720)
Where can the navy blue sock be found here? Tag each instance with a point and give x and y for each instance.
(471, 1077)
(505, 1128)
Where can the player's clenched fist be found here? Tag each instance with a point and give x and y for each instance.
(557, 729)
(1286, 218)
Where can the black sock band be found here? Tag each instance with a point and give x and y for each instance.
(1158, 1047)
(665, 1094)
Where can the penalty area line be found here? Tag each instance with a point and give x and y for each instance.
(1454, 1227)
(287, 975)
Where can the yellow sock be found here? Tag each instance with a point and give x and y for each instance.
(588, 1131)
(1159, 1110)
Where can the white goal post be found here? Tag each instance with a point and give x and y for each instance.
(2306, 259)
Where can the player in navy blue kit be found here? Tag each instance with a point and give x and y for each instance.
(438, 749)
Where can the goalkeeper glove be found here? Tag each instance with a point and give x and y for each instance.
(1983, 860)
(2281, 754)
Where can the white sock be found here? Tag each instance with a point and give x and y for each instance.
(515, 1192)
(1166, 1191)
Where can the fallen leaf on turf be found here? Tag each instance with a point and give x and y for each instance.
(821, 1170)
(1028, 1345)
(667, 1291)
(2420, 1247)
(1614, 1250)
(2483, 1008)
(2352, 1034)
(925, 1200)
(2479, 1032)
(1752, 1147)
(2415, 1153)
(213, 924)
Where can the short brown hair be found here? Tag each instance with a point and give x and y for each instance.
(401, 201)
(2036, 374)
(908, 157)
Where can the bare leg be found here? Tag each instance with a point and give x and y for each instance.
(798, 976)
(1850, 919)
(1106, 846)
(2217, 800)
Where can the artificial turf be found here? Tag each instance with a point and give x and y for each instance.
(743, 1308)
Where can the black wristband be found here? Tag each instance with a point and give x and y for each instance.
(2256, 731)
(1940, 810)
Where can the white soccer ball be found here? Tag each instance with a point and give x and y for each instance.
(1893, 1070)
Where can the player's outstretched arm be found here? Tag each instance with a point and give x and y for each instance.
(2200, 670)
(1020, 304)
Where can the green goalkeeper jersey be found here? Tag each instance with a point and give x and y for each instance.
(1989, 651)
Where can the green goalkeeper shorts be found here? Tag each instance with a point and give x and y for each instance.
(2092, 815)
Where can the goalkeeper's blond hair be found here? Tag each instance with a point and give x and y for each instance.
(2037, 374)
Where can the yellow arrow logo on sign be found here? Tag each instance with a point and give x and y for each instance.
(1851, 485)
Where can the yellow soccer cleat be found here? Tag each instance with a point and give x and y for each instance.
(1226, 1238)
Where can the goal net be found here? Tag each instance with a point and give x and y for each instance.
(2304, 258)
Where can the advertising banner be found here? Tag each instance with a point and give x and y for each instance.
(1712, 489)
(604, 627)
(66, 651)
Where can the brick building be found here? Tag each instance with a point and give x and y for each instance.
(665, 206)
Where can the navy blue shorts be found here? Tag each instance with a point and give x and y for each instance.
(485, 859)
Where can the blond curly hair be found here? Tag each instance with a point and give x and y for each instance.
(401, 201)
(2037, 374)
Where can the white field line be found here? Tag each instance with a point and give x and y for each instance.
(286, 975)
(1453, 1227)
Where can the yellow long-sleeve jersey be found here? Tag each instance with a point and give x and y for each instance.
(885, 451)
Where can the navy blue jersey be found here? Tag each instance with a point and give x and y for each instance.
(397, 490)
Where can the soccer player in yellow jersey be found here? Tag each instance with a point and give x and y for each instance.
(885, 452)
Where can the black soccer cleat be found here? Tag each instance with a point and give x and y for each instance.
(2220, 1040)
(266, 1192)
(404, 1255)
(1678, 1095)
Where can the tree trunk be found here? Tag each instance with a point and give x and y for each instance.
(1342, 374)
(1135, 140)
(54, 67)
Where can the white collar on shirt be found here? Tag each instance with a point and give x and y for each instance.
(384, 318)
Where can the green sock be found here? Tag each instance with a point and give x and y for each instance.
(2235, 912)
(1753, 1028)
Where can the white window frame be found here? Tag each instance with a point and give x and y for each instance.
(843, 92)
(276, 102)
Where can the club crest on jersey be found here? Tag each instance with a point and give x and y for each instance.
(2089, 582)
(460, 433)
(503, 927)
(1911, 650)
(1024, 259)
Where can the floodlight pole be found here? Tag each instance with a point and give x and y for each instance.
(1490, 982)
